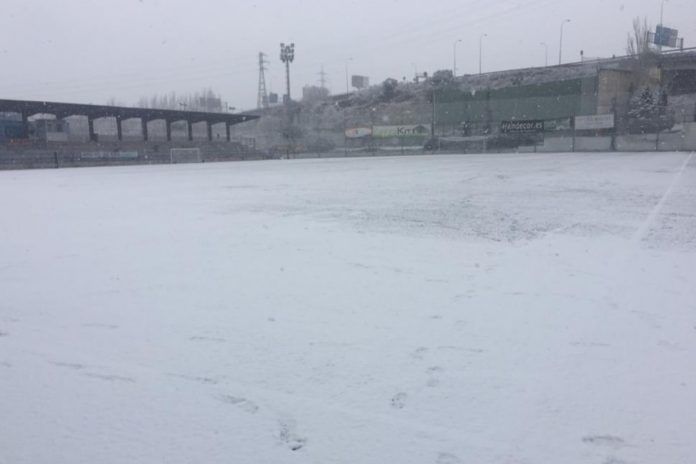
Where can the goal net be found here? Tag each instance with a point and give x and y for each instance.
(185, 155)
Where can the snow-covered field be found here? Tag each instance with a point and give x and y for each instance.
(455, 309)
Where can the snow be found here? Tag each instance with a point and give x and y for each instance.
(438, 309)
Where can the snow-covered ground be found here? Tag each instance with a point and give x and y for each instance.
(450, 309)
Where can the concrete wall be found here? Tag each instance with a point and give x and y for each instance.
(592, 143)
(557, 144)
(646, 142)
(108, 154)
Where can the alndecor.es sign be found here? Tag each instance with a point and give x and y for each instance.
(531, 126)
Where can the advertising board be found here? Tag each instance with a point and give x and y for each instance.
(360, 82)
(666, 37)
(594, 122)
(385, 132)
(522, 126)
(358, 132)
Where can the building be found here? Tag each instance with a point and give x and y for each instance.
(311, 93)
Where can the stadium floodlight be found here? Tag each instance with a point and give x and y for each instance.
(287, 56)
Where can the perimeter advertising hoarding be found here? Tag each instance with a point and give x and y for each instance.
(387, 132)
(528, 126)
(594, 122)
(358, 132)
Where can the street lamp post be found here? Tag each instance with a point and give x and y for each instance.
(662, 12)
(546, 53)
(662, 18)
(454, 68)
(350, 59)
(560, 45)
(481, 52)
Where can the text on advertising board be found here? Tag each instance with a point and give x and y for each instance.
(594, 122)
(522, 126)
(419, 130)
(358, 132)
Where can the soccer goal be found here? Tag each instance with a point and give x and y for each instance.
(185, 155)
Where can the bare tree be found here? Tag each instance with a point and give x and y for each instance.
(637, 41)
(204, 100)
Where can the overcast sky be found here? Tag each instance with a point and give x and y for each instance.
(91, 50)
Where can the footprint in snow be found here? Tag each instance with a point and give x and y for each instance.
(398, 401)
(193, 378)
(419, 352)
(207, 339)
(604, 440)
(613, 460)
(97, 325)
(288, 435)
(447, 458)
(109, 377)
(434, 374)
(67, 365)
(242, 403)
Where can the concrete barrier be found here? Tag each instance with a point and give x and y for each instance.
(689, 139)
(112, 154)
(671, 142)
(593, 144)
(556, 144)
(642, 142)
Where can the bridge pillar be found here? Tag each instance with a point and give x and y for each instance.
(210, 131)
(92, 134)
(143, 125)
(119, 128)
(227, 132)
(168, 123)
(190, 130)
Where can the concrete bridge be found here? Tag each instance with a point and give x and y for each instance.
(28, 109)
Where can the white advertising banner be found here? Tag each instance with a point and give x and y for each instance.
(386, 132)
(358, 132)
(594, 122)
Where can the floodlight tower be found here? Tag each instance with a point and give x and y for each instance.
(262, 100)
(287, 56)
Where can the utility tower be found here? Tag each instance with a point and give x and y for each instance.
(322, 77)
(262, 101)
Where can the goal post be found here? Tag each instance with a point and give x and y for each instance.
(185, 155)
